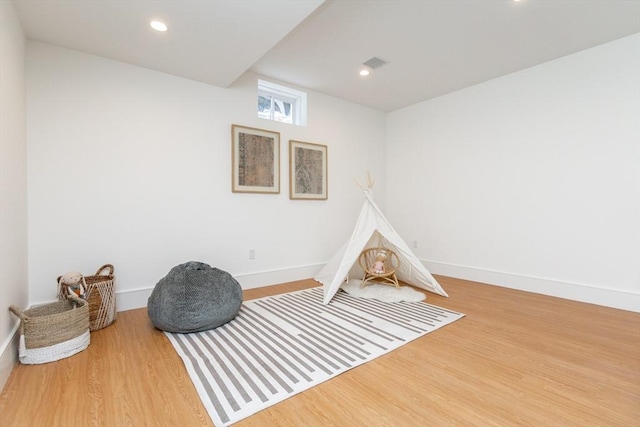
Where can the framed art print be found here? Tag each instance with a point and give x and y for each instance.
(308, 171)
(255, 160)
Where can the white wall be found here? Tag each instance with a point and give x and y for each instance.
(531, 180)
(13, 182)
(132, 167)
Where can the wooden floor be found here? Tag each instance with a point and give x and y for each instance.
(516, 359)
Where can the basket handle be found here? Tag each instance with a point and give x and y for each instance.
(15, 310)
(104, 267)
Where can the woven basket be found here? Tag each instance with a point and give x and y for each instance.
(100, 294)
(53, 331)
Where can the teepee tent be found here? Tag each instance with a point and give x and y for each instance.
(373, 229)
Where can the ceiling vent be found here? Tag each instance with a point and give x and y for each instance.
(374, 63)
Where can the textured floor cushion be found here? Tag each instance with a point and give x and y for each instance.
(194, 297)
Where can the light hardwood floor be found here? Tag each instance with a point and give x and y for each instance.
(516, 359)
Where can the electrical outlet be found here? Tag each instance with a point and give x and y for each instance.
(415, 244)
(252, 254)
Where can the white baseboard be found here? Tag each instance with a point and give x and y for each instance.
(625, 300)
(137, 298)
(8, 355)
(274, 277)
(614, 298)
(130, 300)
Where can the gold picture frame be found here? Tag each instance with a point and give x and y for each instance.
(255, 159)
(308, 168)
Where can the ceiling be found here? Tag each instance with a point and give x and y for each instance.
(431, 47)
(212, 41)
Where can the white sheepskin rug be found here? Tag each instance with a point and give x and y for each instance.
(381, 292)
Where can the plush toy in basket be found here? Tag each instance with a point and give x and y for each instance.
(98, 290)
(53, 331)
(72, 283)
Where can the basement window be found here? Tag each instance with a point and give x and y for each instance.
(281, 103)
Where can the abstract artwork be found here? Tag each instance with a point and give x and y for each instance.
(255, 160)
(308, 171)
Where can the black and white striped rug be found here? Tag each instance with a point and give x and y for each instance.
(281, 345)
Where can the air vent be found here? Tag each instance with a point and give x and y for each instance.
(374, 63)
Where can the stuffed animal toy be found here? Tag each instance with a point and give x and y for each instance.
(73, 283)
(378, 266)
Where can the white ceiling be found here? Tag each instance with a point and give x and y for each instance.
(212, 41)
(432, 46)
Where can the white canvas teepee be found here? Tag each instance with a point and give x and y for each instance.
(373, 229)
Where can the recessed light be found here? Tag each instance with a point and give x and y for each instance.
(364, 72)
(158, 26)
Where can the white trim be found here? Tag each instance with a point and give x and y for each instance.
(615, 298)
(273, 277)
(137, 298)
(130, 300)
(9, 355)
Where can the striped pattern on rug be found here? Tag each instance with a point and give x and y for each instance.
(284, 344)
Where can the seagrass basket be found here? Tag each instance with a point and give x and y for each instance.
(101, 295)
(53, 331)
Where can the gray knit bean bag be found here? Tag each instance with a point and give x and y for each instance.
(194, 297)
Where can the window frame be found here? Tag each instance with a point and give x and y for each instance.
(296, 98)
